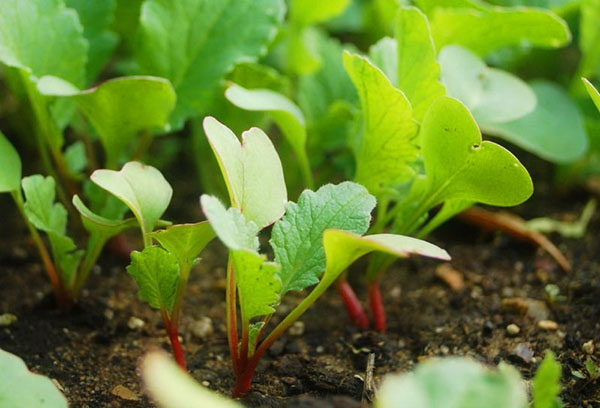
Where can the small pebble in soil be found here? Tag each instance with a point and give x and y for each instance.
(488, 328)
(7, 319)
(550, 325)
(320, 349)
(523, 353)
(297, 329)
(109, 314)
(512, 329)
(135, 323)
(395, 292)
(202, 328)
(588, 347)
(124, 393)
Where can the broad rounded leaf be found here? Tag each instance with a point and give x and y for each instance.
(554, 131)
(20, 387)
(492, 95)
(142, 188)
(185, 241)
(10, 171)
(252, 171)
(594, 94)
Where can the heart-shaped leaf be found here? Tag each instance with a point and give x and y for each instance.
(594, 94)
(185, 241)
(252, 172)
(10, 173)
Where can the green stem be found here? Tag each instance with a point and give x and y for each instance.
(307, 175)
(230, 298)
(183, 280)
(92, 253)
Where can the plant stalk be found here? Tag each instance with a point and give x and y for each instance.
(171, 327)
(232, 333)
(354, 309)
(376, 305)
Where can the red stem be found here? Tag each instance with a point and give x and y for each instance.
(174, 339)
(244, 380)
(232, 334)
(376, 304)
(354, 309)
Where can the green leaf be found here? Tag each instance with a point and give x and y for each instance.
(387, 147)
(308, 12)
(142, 188)
(10, 172)
(554, 131)
(43, 37)
(20, 387)
(546, 383)
(96, 16)
(230, 225)
(297, 239)
(103, 226)
(454, 382)
(119, 108)
(76, 159)
(284, 112)
(66, 255)
(342, 248)
(384, 54)
(195, 57)
(185, 241)
(589, 29)
(252, 171)
(171, 387)
(495, 27)
(492, 95)
(157, 274)
(257, 282)
(418, 71)
(594, 94)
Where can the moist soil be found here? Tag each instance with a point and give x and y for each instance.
(93, 352)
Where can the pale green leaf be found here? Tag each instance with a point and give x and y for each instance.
(66, 256)
(297, 239)
(76, 159)
(252, 171)
(95, 223)
(20, 387)
(171, 387)
(418, 71)
(10, 171)
(495, 27)
(554, 131)
(384, 54)
(589, 37)
(119, 108)
(257, 282)
(307, 12)
(157, 274)
(386, 149)
(40, 208)
(195, 57)
(594, 94)
(142, 188)
(454, 382)
(230, 225)
(492, 95)
(546, 383)
(185, 241)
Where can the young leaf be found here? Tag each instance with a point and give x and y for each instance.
(196, 57)
(230, 225)
(387, 149)
(185, 241)
(384, 54)
(157, 274)
(554, 131)
(492, 95)
(171, 387)
(589, 35)
(418, 71)
(119, 108)
(20, 387)
(497, 27)
(297, 239)
(308, 12)
(594, 94)
(10, 173)
(142, 188)
(103, 226)
(252, 172)
(546, 383)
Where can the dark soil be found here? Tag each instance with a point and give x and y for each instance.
(91, 350)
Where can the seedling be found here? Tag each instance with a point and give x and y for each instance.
(161, 272)
(313, 243)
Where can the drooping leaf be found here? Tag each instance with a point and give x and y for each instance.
(185, 241)
(496, 27)
(195, 57)
(10, 171)
(19, 387)
(257, 282)
(297, 239)
(157, 274)
(230, 225)
(546, 383)
(252, 172)
(95, 223)
(142, 188)
(454, 383)
(554, 131)
(492, 95)
(386, 149)
(171, 387)
(418, 71)
(594, 94)
(119, 108)
(307, 12)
